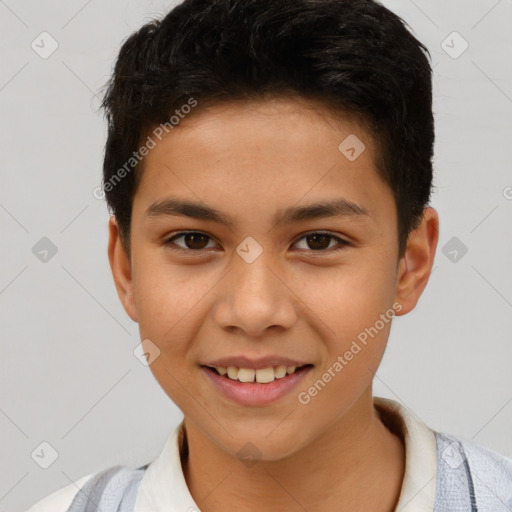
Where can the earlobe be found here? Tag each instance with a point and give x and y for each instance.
(121, 269)
(416, 264)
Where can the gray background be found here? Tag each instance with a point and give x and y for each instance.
(69, 376)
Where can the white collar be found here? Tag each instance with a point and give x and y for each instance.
(164, 489)
(418, 492)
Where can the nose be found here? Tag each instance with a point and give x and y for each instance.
(255, 298)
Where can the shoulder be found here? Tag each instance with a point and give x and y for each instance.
(110, 489)
(60, 500)
(488, 462)
(488, 473)
(479, 457)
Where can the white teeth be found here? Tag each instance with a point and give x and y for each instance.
(232, 372)
(280, 371)
(261, 375)
(246, 375)
(265, 375)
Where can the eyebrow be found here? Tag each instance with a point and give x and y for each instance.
(183, 208)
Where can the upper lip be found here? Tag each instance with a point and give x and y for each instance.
(256, 363)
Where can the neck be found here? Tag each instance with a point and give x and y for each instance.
(357, 462)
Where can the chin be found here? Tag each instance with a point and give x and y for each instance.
(263, 444)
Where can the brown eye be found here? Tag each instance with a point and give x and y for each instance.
(196, 240)
(192, 240)
(322, 242)
(318, 242)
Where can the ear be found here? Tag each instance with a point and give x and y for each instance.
(121, 269)
(416, 264)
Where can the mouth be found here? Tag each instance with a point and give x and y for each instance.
(255, 387)
(259, 375)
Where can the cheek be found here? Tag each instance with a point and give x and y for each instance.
(172, 303)
(163, 297)
(168, 305)
(355, 302)
(162, 291)
(351, 297)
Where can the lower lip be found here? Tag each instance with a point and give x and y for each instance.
(254, 393)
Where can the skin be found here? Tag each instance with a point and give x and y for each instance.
(251, 160)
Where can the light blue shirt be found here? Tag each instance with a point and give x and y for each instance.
(442, 474)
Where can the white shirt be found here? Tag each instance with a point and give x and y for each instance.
(163, 487)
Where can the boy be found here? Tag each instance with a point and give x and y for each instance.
(242, 133)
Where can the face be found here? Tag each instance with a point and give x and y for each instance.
(234, 264)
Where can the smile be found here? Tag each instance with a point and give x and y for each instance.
(261, 375)
(255, 387)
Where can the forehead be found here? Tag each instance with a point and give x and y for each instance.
(260, 154)
(262, 119)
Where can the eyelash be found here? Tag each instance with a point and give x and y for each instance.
(341, 242)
